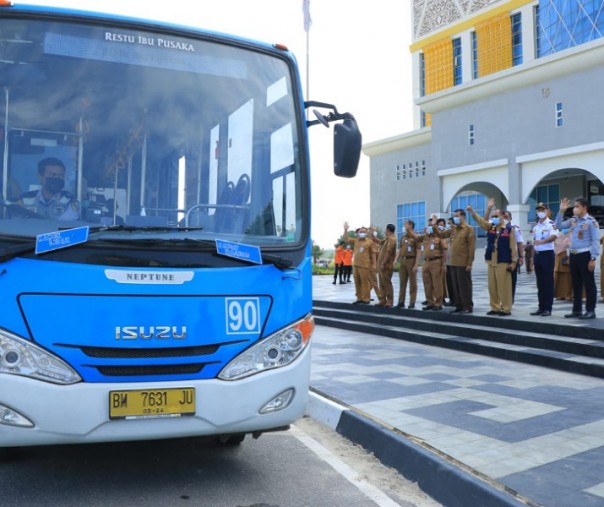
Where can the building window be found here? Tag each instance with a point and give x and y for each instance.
(422, 75)
(517, 39)
(474, 56)
(564, 24)
(457, 76)
(471, 134)
(425, 119)
(477, 201)
(559, 118)
(537, 33)
(548, 194)
(415, 211)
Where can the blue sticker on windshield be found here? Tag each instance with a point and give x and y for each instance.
(61, 239)
(249, 253)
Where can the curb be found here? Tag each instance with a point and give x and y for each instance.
(445, 480)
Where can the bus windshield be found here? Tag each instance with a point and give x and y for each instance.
(148, 129)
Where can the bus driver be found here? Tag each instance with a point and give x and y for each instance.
(51, 201)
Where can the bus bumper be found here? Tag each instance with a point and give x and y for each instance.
(79, 413)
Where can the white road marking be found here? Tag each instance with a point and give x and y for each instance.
(369, 490)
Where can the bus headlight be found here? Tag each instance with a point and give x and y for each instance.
(279, 349)
(21, 357)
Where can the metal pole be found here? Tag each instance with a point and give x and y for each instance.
(308, 64)
(5, 157)
(143, 174)
(80, 168)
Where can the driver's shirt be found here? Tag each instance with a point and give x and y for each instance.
(62, 206)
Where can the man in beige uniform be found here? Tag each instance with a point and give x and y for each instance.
(373, 272)
(501, 256)
(407, 252)
(461, 251)
(433, 251)
(386, 267)
(361, 263)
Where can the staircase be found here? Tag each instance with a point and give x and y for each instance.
(570, 348)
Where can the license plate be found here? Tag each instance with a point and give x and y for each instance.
(172, 402)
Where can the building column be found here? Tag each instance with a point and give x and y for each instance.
(520, 212)
(520, 217)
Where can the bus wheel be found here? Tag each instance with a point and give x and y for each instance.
(230, 440)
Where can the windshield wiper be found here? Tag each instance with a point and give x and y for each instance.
(18, 250)
(278, 261)
(267, 258)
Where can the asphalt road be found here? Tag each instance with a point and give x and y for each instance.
(306, 466)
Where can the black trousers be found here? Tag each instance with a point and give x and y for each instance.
(339, 272)
(544, 272)
(582, 278)
(462, 287)
(450, 290)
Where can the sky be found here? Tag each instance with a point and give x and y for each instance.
(358, 60)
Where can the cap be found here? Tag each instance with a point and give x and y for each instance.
(542, 205)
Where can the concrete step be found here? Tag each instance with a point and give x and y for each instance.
(470, 333)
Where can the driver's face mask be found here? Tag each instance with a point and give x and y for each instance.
(54, 185)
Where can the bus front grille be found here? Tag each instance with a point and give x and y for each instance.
(146, 370)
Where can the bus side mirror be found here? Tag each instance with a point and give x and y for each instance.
(346, 148)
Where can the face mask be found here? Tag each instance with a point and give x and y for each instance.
(430, 229)
(495, 220)
(541, 214)
(441, 227)
(54, 185)
(456, 220)
(362, 235)
(375, 234)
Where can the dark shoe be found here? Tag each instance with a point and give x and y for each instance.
(334, 282)
(493, 312)
(429, 307)
(448, 303)
(465, 310)
(546, 313)
(341, 282)
(572, 315)
(588, 315)
(411, 306)
(425, 302)
(457, 310)
(365, 302)
(437, 308)
(400, 305)
(538, 312)
(506, 314)
(358, 302)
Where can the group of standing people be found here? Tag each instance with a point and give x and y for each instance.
(562, 250)
(343, 264)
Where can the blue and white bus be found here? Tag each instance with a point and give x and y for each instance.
(155, 269)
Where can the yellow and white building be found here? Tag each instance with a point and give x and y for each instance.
(508, 103)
